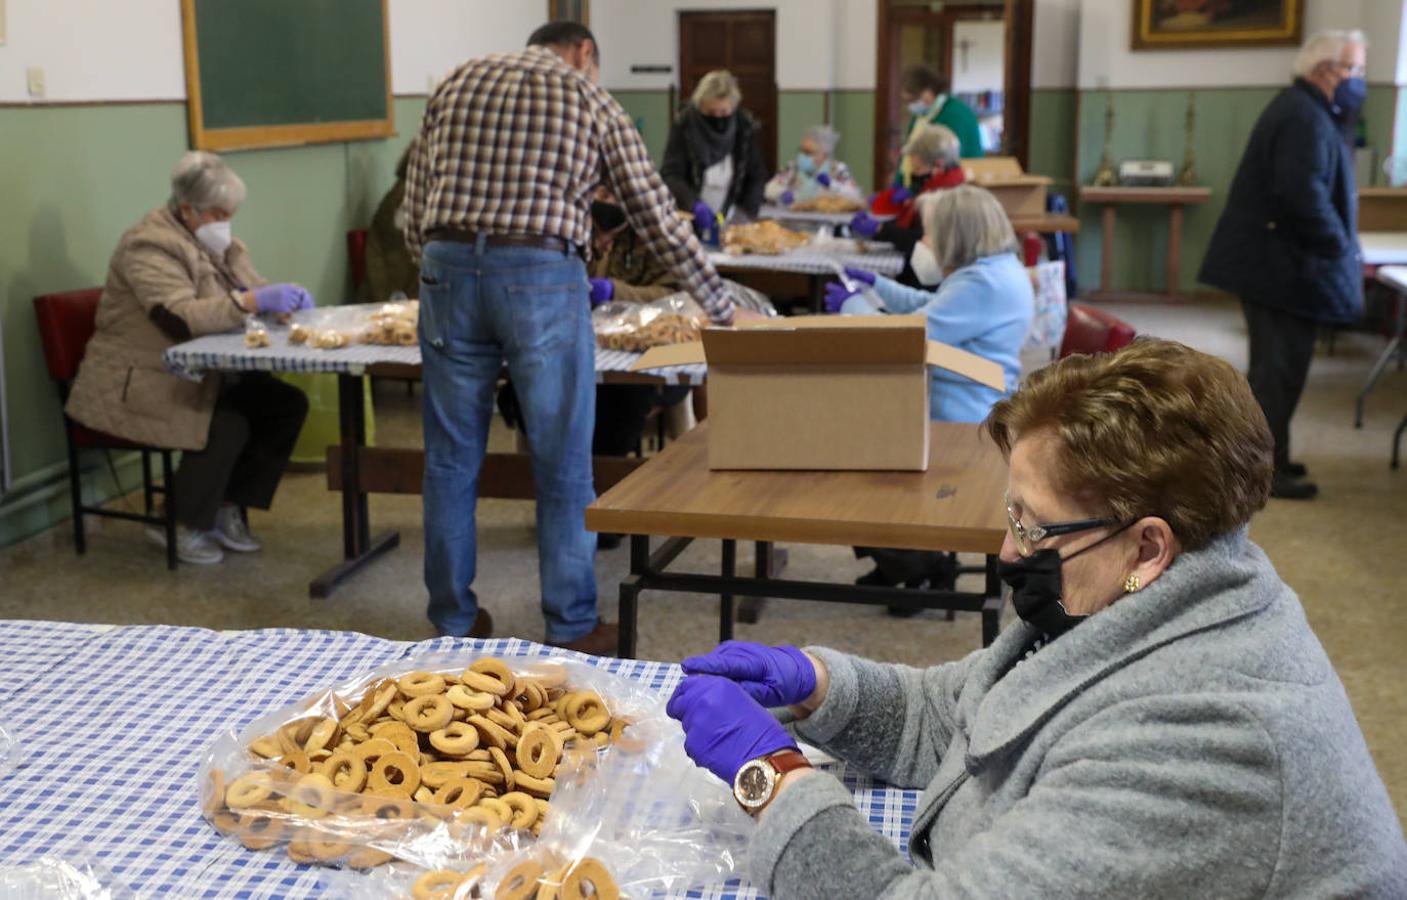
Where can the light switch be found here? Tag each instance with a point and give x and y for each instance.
(34, 77)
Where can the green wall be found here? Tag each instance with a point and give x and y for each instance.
(652, 115)
(75, 177)
(1052, 136)
(1149, 124)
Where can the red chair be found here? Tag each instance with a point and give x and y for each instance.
(1089, 330)
(66, 323)
(1032, 247)
(356, 255)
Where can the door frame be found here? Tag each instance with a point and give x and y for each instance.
(1019, 18)
(769, 153)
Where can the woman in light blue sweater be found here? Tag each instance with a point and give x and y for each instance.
(983, 303)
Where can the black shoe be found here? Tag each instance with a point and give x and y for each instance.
(606, 540)
(1283, 487)
(1294, 470)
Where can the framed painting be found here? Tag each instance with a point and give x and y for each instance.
(1176, 24)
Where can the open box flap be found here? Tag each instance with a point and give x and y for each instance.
(968, 365)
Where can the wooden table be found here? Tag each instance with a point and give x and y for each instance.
(1050, 223)
(956, 506)
(1174, 198)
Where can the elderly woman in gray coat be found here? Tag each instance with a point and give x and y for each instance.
(1162, 722)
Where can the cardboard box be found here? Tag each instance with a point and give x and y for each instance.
(1021, 195)
(821, 392)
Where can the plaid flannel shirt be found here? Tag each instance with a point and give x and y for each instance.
(515, 143)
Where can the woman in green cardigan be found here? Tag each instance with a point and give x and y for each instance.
(925, 94)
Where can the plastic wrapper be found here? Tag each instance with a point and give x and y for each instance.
(767, 237)
(256, 333)
(639, 806)
(636, 327)
(334, 327)
(69, 875)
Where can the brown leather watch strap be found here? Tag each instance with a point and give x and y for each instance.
(785, 761)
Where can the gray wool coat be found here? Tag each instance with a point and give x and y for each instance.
(1192, 740)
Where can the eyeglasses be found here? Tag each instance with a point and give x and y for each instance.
(1350, 70)
(1027, 538)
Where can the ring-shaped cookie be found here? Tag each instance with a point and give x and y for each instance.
(478, 815)
(502, 811)
(487, 684)
(367, 858)
(586, 712)
(249, 790)
(439, 884)
(464, 697)
(520, 882)
(538, 787)
(523, 808)
(368, 752)
(497, 669)
(460, 793)
(312, 797)
(260, 831)
(455, 739)
(346, 770)
(493, 734)
(321, 735)
(388, 807)
(297, 761)
(584, 872)
(395, 771)
(538, 751)
(429, 713)
(501, 760)
(419, 684)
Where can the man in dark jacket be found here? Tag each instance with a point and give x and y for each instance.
(713, 159)
(1287, 242)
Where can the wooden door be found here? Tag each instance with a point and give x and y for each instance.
(744, 43)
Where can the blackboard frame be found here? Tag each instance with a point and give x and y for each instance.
(254, 136)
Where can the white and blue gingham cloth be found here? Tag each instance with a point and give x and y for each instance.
(226, 353)
(814, 259)
(113, 723)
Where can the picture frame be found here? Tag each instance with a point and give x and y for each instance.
(1210, 24)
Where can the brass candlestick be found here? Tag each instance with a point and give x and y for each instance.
(1106, 176)
(1188, 176)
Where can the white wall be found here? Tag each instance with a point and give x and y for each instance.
(1055, 44)
(1106, 59)
(821, 44)
(132, 50)
(982, 67)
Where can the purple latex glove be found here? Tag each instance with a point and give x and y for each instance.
(282, 298)
(788, 198)
(703, 214)
(864, 225)
(823, 180)
(723, 726)
(836, 295)
(901, 194)
(860, 275)
(602, 290)
(773, 676)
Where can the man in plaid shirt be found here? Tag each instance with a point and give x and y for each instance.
(497, 199)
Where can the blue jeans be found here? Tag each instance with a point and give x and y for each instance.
(480, 306)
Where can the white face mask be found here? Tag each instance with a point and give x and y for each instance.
(925, 265)
(918, 107)
(215, 236)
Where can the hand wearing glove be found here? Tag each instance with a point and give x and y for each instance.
(836, 295)
(282, 298)
(773, 676)
(788, 198)
(823, 180)
(864, 225)
(703, 214)
(723, 726)
(602, 290)
(860, 275)
(901, 195)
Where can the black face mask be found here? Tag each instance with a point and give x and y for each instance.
(607, 216)
(719, 124)
(1036, 587)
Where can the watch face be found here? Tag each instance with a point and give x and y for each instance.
(753, 785)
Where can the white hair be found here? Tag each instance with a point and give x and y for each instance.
(203, 180)
(825, 137)
(935, 144)
(1326, 46)
(718, 85)
(965, 224)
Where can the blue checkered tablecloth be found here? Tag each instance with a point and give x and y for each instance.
(113, 722)
(227, 353)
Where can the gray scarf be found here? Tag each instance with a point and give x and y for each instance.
(712, 145)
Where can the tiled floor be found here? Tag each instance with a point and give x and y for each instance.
(1343, 553)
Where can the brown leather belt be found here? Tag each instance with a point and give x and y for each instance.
(542, 241)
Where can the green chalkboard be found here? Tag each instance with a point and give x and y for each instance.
(271, 72)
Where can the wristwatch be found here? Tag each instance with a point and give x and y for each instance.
(756, 782)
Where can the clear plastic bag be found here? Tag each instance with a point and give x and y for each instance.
(334, 327)
(69, 875)
(636, 327)
(639, 806)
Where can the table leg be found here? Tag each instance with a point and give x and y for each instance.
(1106, 260)
(357, 546)
(628, 612)
(1394, 348)
(1174, 249)
(768, 563)
(725, 606)
(818, 293)
(1397, 440)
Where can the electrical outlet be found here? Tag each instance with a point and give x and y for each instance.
(34, 77)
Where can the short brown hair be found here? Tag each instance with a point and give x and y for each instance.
(1155, 429)
(919, 78)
